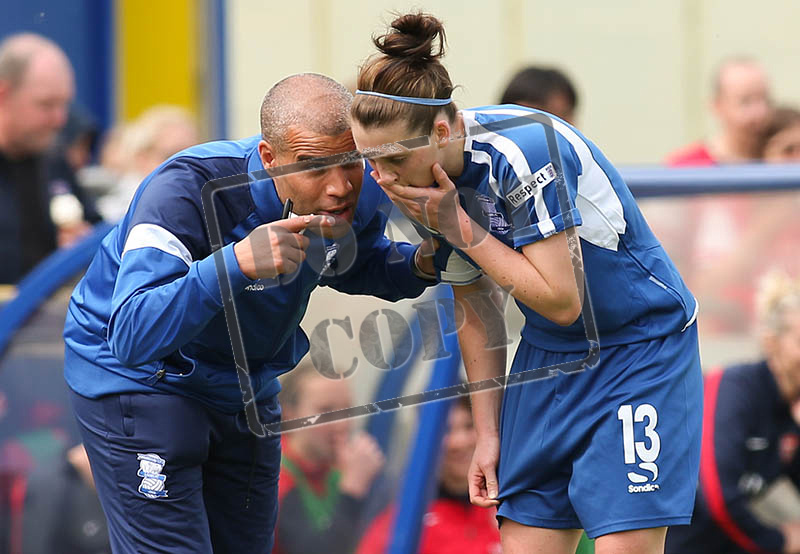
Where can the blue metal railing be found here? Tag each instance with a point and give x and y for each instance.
(420, 476)
(45, 279)
(647, 182)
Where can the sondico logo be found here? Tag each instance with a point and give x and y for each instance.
(639, 450)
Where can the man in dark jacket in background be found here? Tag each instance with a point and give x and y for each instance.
(36, 88)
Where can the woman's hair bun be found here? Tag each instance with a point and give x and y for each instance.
(413, 37)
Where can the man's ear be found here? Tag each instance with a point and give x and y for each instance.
(442, 132)
(266, 153)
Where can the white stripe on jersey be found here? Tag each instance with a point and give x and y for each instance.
(519, 164)
(600, 207)
(479, 156)
(694, 315)
(147, 235)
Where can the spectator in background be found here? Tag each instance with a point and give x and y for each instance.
(36, 88)
(71, 207)
(741, 104)
(326, 472)
(728, 240)
(140, 147)
(782, 137)
(451, 524)
(543, 88)
(750, 437)
(62, 511)
(77, 140)
(112, 155)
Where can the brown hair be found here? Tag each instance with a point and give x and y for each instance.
(782, 118)
(408, 65)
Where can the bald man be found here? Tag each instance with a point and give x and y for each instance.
(741, 104)
(148, 355)
(36, 88)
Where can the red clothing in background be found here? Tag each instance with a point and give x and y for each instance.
(696, 154)
(450, 526)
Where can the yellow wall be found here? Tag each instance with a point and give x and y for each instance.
(157, 47)
(642, 68)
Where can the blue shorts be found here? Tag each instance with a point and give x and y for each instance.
(175, 476)
(611, 448)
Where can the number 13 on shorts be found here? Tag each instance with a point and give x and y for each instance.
(640, 451)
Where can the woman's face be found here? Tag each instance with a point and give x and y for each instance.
(783, 355)
(784, 147)
(398, 155)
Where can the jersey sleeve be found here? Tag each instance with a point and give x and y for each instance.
(167, 289)
(452, 266)
(537, 178)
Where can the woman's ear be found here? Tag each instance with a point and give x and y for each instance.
(442, 132)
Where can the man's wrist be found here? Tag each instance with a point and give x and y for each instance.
(417, 270)
(239, 255)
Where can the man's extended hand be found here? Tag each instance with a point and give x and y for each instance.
(276, 248)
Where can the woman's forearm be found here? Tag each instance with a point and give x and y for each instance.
(482, 359)
(542, 276)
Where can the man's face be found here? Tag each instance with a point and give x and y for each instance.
(37, 107)
(331, 190)
(319, 395)
(743, 103)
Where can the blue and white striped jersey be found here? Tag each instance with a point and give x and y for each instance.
(148, 315)
(524, 187)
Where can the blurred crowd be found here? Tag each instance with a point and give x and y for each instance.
(60, 175)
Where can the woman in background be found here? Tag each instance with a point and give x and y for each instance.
(750, 436)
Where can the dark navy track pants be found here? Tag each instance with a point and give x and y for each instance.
(176, 476)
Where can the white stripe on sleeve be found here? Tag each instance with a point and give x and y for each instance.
(519, 163)
(147, 235)
(601, 209)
